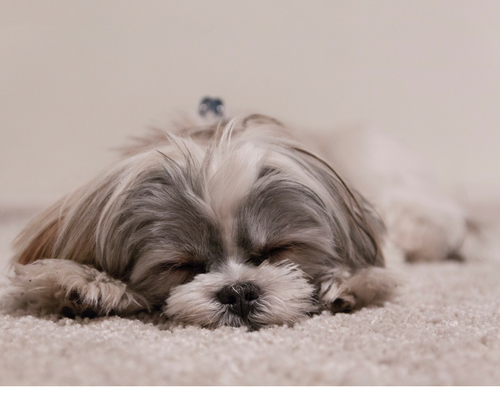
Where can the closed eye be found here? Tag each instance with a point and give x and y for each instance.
(268, 253)
(191, 267)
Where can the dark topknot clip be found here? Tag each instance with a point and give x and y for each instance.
(208, 105)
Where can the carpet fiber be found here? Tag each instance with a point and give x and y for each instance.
(442, 329)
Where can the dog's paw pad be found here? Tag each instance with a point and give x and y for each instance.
(68, 312)
(89, 313)
(344, 304)
(75, 305)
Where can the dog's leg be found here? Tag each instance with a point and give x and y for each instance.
(53, 286)
(421, 220)
(425, 225)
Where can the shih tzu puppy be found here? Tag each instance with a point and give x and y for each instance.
(236, 223)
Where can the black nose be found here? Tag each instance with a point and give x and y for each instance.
(239, 297)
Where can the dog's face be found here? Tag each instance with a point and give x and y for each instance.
(240, 229)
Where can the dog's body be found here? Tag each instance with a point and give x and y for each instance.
(234, 223)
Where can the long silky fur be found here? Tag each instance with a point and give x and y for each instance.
(124, 223)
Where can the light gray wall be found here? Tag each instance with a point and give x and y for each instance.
(78, 77)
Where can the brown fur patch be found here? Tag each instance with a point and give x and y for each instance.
(41, 246)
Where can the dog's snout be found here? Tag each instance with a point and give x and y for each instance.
(239, 297)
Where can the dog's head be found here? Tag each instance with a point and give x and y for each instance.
(228, 224)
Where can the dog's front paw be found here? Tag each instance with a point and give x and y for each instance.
(369, 286)
(334, 296)
(64, 287)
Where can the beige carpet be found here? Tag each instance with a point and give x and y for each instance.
(443, 329)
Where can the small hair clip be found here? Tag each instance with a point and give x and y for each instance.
(208, 105)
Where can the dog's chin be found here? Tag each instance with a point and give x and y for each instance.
(285, 297)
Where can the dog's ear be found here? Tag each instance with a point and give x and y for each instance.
(37, 240)
(87, 226)
(356, 226)
(67, 230)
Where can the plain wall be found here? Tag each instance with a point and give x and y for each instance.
(79, 77)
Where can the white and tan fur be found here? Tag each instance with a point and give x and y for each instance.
(234, 223)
